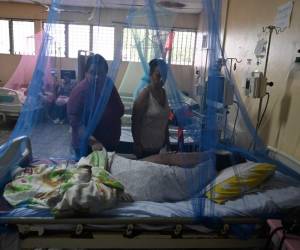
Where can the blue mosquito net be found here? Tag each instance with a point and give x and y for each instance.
(209, 122)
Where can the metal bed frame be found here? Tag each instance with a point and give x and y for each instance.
(130, 233)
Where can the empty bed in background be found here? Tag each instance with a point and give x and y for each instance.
(11, 102)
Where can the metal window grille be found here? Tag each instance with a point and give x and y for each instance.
(130, 46)
(103, 41)
(79, 39)
(57, 40)
(4, 37)
(152, 44)
(183, 48)
(23, 37)
(156, 43)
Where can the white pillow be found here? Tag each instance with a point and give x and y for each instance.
(234, 181)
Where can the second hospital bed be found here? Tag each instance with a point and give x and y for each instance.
(11, 103)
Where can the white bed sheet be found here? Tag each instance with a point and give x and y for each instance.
(280, 192)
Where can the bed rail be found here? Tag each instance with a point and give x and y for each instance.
(126, 220)
(132, 233)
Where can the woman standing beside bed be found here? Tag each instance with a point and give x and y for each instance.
(84, 103)
(150, 113)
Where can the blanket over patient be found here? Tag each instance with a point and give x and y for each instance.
(82, 188)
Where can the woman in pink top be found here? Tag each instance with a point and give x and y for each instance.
(84, 102)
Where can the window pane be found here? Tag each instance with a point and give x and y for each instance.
(79, 39)
(56, 45)
(130, 48)
(4, 37)
(156, 38)
(183, 48)
(23, 32)
(103, 41)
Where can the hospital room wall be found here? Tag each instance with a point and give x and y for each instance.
(280, 127)
(8, 63)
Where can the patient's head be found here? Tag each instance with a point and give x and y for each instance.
(96, 68)
(158, 71)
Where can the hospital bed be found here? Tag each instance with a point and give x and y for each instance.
(146, 224)
(11, 102)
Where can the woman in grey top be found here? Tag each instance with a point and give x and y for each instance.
(150, 113)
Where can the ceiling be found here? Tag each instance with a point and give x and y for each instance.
(180, 6)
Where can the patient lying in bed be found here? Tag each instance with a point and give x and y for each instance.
(100, 180)
(166, 177)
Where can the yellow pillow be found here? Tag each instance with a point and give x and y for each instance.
(235, 181)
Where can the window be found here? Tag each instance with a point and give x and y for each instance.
(103, 41)
(79, 39)
(156, 39)
(149, 42)
(183, 48)
(23, 34)
(56, 43)
(130, 47)
(4, 38)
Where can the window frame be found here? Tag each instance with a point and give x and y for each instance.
(9, 36)
(92, 37)
(67, 24)
(192, 46)
(65, 55)
(91, 34)
(89, 37)
(147, 30)
(12, 37)
(123, 30)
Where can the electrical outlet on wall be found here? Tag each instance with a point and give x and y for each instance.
(297, 57)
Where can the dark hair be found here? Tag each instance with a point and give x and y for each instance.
(98, 60)
(158, 62)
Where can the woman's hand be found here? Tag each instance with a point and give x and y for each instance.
(95, 144)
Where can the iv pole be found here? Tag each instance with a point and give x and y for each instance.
(271, 28)
(231, 60)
